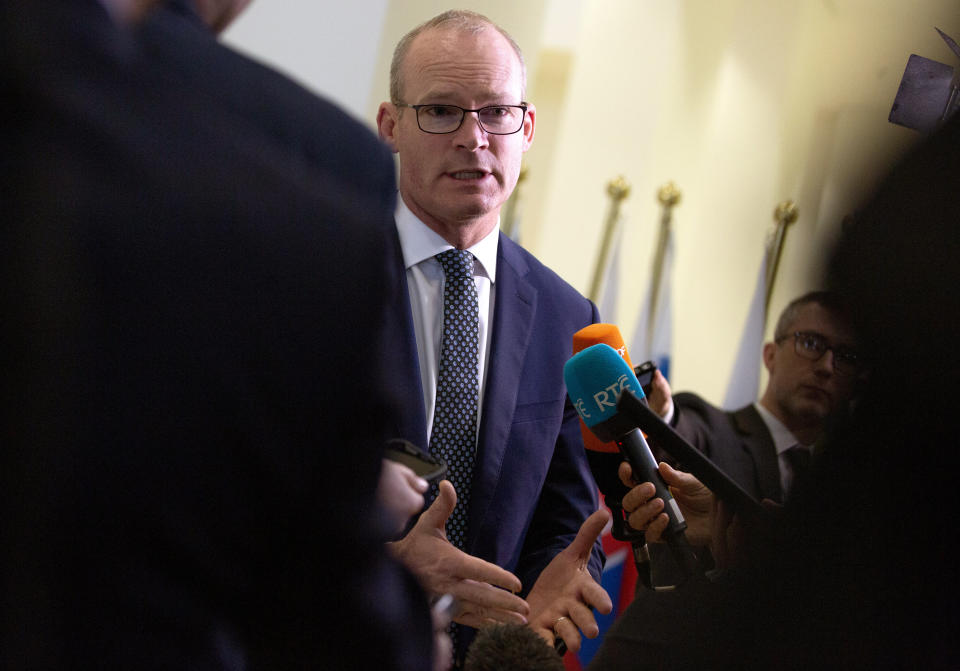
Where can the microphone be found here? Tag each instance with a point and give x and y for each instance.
(693, 460)
(595, 377)
(604, 457)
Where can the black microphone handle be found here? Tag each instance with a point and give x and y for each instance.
(637, 452)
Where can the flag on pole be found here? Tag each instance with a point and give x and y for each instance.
(744, 386)
(653, 343)
(610, 286)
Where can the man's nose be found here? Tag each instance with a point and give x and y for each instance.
(826, 364)
(471, 135)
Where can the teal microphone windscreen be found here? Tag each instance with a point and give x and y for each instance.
(595, 377)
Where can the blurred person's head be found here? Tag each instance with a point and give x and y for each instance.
(218, 14)
(128, 11)
(511, 647)
(812, 363)
(886, 572)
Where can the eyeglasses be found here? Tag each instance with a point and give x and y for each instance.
(494, 119)
(812, 346)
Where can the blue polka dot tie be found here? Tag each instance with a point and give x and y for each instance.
(453, 436)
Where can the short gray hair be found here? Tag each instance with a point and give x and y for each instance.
(455, 19)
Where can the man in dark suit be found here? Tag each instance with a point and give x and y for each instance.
(813, 373)
(767, 445)
(457, 120)
(190, 435)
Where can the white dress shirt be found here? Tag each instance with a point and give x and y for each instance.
(420, 245)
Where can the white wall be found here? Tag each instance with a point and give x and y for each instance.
(330, 47)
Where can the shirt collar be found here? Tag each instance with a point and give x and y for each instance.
(419, 242)
(783, 440)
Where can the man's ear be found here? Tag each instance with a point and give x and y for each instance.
(769, 353)
(529, 122)
(387, 125)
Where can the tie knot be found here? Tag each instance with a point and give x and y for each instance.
(456, 263)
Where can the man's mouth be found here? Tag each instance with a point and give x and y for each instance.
(467, 174)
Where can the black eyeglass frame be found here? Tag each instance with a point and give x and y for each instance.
(463, 115)
(845, 362)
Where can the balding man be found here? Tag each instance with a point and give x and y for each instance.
(483, 333)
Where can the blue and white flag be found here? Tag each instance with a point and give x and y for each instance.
(744, 386)
(654, 344)
(610, 285)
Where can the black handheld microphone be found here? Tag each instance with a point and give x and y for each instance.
(594, 378)
(694, 461)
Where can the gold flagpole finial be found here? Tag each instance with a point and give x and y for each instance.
(669, 195)
(618, 189)
(786, 212)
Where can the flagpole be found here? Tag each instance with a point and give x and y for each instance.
(617, 189)
(785, 214)
(669, 197)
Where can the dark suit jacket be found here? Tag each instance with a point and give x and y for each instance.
(190, 438)
(532, 488)
(738, 442)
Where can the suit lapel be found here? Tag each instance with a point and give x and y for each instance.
(403, 362)
(516, 303)
(758, 443)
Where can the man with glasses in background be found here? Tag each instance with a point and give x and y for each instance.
(482, 330)
(813, 370)
(765, 446)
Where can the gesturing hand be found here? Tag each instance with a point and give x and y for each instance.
(442, 569)
(562, 598)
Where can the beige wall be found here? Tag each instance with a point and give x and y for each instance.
(743, 103)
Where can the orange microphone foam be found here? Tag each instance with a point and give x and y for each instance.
(608, 334)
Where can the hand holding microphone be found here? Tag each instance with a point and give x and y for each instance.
(595, 379)
(645, 509)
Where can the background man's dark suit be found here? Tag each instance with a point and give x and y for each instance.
(738, 442)
(532, 488)
(189, 441)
